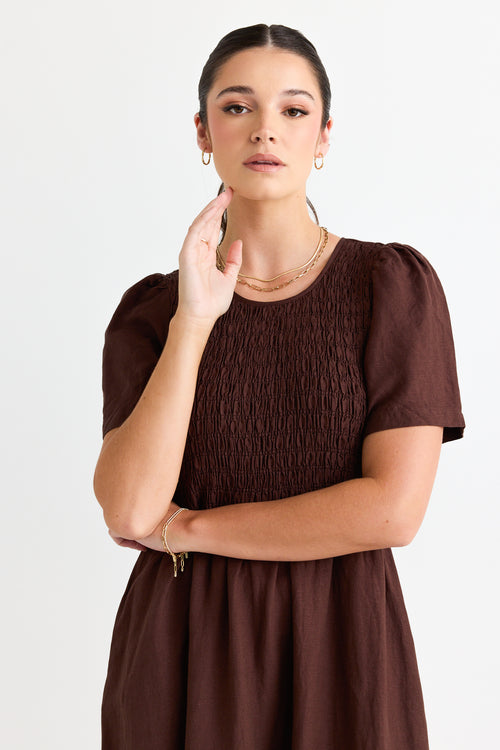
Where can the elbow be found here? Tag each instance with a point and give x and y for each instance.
(395, 533)
(112, 509)
(127, 520)
(129, 509)
(402, 514)
(126, 516)
(405, 535)
(114, 502)
(407, 521)
(127, 528)
(129, 525)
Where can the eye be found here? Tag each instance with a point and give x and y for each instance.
(233, 106)
(294, 112)
(295, 109)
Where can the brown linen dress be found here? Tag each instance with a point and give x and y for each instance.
(238, 654)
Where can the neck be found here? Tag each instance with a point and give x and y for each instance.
(277, 235)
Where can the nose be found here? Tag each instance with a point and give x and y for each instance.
(263, 132)
(263, 139)
(261, 136)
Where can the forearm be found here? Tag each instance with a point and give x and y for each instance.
(383, 508)
(351, 516)
(139, 466)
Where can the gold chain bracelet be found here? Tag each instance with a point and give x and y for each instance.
(175, 555)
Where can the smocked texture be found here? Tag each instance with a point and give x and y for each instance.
(238, 654)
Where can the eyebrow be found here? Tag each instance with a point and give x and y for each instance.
(248, 90)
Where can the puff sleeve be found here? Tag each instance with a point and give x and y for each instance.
(409, 358)
(133, 342)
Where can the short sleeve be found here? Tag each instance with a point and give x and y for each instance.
(409, 359)
(133, 342)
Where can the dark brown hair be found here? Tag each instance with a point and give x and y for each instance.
(261, 35)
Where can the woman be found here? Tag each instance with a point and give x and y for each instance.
(292, 428)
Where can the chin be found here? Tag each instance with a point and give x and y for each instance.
(258, 192)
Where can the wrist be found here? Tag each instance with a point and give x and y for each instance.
(186, 532)
(179, 532)
(195, 327)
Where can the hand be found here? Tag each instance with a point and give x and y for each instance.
(205, 293)
(133, 544)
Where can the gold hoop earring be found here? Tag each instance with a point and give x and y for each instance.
(209, 157)
(322, 161)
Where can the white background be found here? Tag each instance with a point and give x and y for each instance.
(100, 177)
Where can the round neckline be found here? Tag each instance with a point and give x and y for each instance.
(272, 302)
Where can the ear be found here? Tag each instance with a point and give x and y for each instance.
(202, 134)
(323, 143)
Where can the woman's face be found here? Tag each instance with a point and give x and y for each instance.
(278, 113)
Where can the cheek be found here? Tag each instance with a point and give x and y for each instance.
(307, 138)
(223, 131)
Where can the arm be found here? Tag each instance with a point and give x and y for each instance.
(140, 461)
(383, 508)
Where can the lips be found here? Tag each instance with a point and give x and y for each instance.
(270, 159)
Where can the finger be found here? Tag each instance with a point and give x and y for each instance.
(208, 234)
(212, 226)
(213, 230)
(206, 226)
(217, 205)
(234, 259)
(133, 545)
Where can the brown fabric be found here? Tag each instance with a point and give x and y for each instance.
(238, 654)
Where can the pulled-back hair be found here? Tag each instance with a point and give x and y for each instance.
(261, 35)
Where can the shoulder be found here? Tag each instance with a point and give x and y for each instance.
(402, 284)
(149, 288)
(395, 263)
(395, 254)
(394, 278)
(403, 258)
(152, 298)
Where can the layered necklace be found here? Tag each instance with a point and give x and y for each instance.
(307, 266)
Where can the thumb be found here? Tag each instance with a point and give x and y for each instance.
(234, 259)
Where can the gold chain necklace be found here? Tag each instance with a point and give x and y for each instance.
(323, 239)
